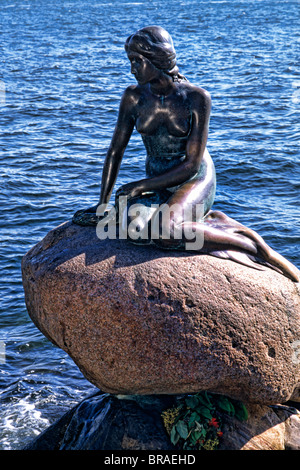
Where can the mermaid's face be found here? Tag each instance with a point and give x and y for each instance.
(143, 70)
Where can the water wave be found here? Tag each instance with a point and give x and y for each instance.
(64, 70)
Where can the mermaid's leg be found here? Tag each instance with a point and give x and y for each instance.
(263, 249)
(221, 235)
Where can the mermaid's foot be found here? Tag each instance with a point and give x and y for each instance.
(264, 252)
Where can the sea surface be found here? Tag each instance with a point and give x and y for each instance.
(63, 71)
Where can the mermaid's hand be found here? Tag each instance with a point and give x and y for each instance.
(130, 190)
(92, 215)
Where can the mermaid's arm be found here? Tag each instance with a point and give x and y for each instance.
(120, 139)
(196, 143)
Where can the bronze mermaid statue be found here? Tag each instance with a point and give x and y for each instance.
(172, 116)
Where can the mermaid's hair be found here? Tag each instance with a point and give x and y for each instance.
(156, 44)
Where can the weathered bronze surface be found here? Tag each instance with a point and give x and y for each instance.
(172, 116)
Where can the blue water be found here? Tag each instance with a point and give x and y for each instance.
(63, 68)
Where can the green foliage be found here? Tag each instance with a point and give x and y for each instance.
(241, 412)
(224, 404)
(196, 424)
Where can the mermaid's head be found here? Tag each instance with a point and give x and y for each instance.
(156, 44)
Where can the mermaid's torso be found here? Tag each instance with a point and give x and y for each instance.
(165, 126)
(164, 151)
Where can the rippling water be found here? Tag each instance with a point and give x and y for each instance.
(63, 70)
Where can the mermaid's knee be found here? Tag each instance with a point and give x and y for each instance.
(166, 230)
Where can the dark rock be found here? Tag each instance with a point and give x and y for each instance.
(105, 422)
(108, 422)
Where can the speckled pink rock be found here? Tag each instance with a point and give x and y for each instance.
(139, 320)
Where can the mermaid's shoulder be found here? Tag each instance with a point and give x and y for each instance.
(197, 95)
